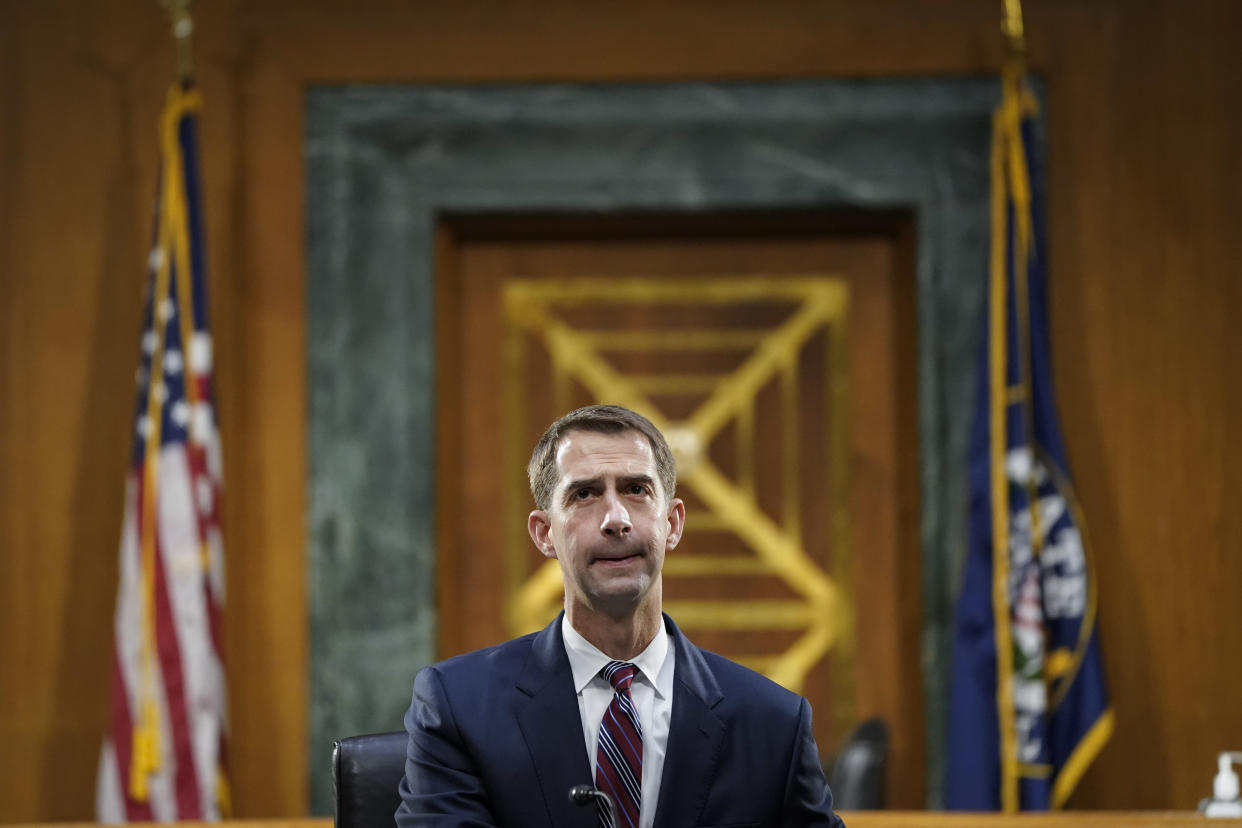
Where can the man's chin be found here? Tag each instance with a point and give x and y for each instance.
(620, 591)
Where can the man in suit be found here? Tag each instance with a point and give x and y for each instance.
(610, 695)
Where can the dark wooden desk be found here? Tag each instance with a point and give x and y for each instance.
(864, 819)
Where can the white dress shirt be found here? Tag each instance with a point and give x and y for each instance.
(652, 691)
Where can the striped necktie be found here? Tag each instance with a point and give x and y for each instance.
(619, 764)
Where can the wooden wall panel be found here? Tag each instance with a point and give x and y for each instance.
(68, 228)
(268, 499)
(87, 83)
(10, 341)
(1144, 290)
(1144, 200)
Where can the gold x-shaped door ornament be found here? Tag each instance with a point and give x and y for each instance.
(819, 609)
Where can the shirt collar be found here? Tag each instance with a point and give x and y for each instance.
(586, 660)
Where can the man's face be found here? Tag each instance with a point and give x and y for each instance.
(608, 523)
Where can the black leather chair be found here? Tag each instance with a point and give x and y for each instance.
(366, 771)
(857, 777)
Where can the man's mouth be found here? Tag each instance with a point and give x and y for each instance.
(616, 560)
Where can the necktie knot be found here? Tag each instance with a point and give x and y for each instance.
(620, 674)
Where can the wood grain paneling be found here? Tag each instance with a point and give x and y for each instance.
(89, 83)
(883, 583)
(69, 228)
(1142, 293)
(271, 649)
(1144, 201)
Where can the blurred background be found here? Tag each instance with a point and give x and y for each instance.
(1144, 198)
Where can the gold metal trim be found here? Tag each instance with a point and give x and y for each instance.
(715, 565)
(688, 340)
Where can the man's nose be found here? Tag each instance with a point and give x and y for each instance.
(616, 518)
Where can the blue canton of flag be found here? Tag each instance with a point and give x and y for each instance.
(164, 756)
(1028, 709)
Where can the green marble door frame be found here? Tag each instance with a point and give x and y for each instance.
(384, 163)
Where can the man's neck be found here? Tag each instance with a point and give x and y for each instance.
(620, 638)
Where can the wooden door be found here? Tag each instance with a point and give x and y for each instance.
(776, 353)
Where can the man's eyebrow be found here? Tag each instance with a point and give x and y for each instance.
(574, 485)
(638, 478)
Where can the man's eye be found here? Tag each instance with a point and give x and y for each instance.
(582, 494)
(638, 489)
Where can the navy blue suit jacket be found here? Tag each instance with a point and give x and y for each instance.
(496, 740)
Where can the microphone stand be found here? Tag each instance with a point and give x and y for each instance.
(584, 794)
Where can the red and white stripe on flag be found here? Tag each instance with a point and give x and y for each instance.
(164, 758)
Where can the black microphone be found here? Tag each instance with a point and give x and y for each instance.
(583, 794)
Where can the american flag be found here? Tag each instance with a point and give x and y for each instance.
(164, 757)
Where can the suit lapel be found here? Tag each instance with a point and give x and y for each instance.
(547, 715)
(694, 737)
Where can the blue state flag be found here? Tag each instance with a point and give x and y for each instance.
(1028, 709)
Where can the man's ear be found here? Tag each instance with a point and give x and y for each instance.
(676, 524)
(540, 529)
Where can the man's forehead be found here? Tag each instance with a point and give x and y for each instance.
(630, 448)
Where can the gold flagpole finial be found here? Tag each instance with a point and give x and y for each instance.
(1015, 32)
(182, 30)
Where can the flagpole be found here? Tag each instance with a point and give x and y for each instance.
(1020, 189)
(182, 31)
(1011, 255)
(1013, 29)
